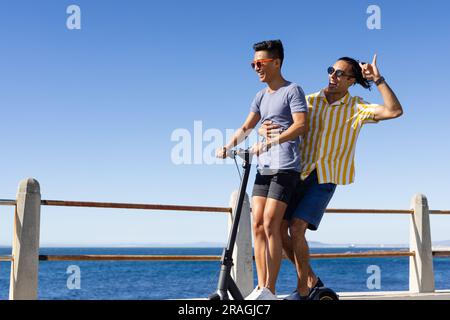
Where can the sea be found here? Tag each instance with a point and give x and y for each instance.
(156, 280)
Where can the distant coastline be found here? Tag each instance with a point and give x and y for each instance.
(438, 245)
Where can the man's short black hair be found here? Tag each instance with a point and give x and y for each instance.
(273, 47)
(357, 72)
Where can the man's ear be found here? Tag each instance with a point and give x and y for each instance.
(278, 62)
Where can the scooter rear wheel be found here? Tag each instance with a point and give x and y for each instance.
(324, 294)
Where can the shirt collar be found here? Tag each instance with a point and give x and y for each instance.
(344, 100)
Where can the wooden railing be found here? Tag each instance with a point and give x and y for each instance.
(25, 250)
(101, 257)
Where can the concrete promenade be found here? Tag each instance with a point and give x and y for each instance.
(395, 295)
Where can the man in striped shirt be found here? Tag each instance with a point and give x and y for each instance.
(335, 119)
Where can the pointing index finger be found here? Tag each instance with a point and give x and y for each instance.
(374, 62)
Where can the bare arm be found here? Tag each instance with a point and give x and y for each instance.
(391, 107)
(240, 134)
(297, 129)
(273, 137)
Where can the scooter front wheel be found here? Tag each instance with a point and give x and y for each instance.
(214, 297)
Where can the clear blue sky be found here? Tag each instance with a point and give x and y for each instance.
(89, 113)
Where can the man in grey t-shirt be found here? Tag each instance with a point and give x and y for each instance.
(284, 103)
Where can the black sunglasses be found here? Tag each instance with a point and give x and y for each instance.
(339, 73)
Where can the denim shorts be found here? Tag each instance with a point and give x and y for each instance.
(280, 186)
(309, 201)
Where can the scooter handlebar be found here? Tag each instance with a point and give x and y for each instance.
(237, 152)
(241, 153)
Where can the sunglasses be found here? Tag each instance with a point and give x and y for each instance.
(339, 73)
(259, 63)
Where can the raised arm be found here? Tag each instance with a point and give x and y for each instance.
(391, 107)
(240, 134)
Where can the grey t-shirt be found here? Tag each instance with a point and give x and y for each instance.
(278, 107)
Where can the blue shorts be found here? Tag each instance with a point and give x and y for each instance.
(310, 201)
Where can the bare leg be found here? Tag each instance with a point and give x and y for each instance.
(259, 238)
(301, 252)
(312, 278)
(289, 251)
(287, 241)
(273, 216)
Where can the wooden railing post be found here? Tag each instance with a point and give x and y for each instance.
(25, 247)
(421, 275)
(242, 271)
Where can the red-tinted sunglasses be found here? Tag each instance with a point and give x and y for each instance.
(259, 63)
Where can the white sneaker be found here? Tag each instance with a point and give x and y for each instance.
(253, 294)
(266, 294)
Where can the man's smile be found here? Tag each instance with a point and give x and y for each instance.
(332, 85)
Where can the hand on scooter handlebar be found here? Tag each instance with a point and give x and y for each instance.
(222, 153)
(257, 149)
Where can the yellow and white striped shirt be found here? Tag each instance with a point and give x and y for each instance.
(330, 143)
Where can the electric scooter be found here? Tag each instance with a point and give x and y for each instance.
(226, 284)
